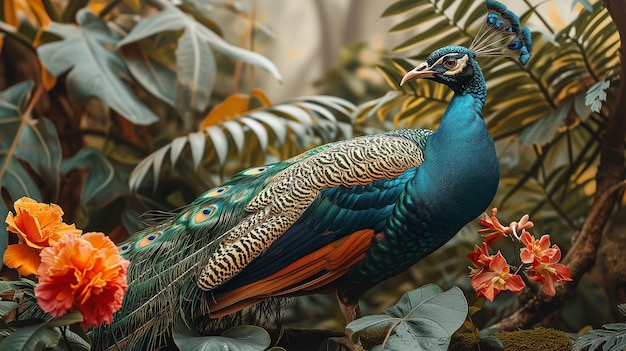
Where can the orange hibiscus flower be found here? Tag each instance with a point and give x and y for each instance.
(38, 226)
(86, 274)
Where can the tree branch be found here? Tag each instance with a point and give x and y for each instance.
(609, 179)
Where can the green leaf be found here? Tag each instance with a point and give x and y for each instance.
(196, 70)
(31, 338)
(15, 180)
(596, 94)
(67, 319)
(543, 131)
(431, 302)
(94, 70)
(611, 337)
(17, 95)
(23, 286)
(6, 307)
(621, 308)
(39, 146)
(242, 338)
(154, 76)
(325, 116)
(74, 343)
(423, 319)
(80, 332)
(5, 286)
(196, 67)
(415, 20)
(103, 184)
(399, 7)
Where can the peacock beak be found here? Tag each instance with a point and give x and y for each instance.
(421, 71)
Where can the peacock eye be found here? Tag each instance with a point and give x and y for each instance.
(124, 248)
(449, 63)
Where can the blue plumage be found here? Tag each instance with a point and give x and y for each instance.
(341, 217)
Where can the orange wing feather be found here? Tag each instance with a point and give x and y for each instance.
(335, 259)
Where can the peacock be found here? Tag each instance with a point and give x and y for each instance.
(339, 218)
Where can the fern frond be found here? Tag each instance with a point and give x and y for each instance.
(611, 337)
(290, 127)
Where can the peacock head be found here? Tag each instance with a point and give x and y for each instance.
(455, 66)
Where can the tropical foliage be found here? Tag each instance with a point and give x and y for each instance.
(113, 108)
(110, 80)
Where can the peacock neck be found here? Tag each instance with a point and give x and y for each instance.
(460, 173)
(460, 162)
(462, 122)
(462, 119)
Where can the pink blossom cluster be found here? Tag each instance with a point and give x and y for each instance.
(539, 261)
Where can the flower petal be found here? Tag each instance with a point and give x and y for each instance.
(515, 283)
(544, 242)
(24, 258)
(562, 272)
(527, 239)
(526, 255)
(481, 283)
(548, 285)
(498, 264)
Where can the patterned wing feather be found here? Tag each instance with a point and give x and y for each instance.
(290, 192)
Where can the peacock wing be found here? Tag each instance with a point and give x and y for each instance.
(336, 201)
(291, 191)
(330, 237)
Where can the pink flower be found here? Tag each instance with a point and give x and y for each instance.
(521, 226)
(536, 249)
(489, 280)
(480, 258)
(493, 230)
(547, 271)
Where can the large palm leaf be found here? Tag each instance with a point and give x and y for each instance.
(278, 131)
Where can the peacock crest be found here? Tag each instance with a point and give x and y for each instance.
(501, 34)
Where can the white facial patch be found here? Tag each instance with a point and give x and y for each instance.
(460, 65)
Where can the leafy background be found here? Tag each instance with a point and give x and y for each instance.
(116, 108)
